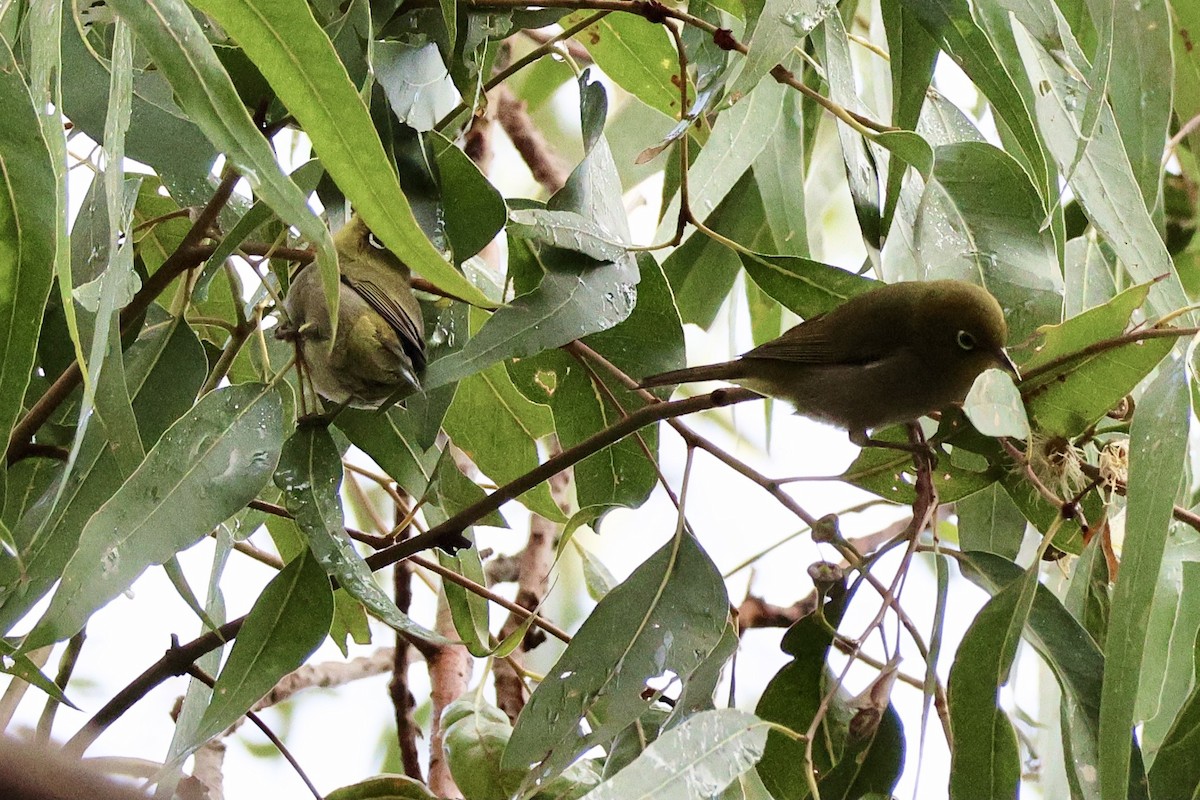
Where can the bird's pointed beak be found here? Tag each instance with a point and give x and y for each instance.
(1003, 359)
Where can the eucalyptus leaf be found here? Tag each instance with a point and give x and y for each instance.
(289, 619)
(666, 616)
(209, 464)
(1157, 447)
(310, 474)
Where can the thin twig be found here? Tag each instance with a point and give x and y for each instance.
(449, 533)
(207, 680)
(185, 257)
(483, 591)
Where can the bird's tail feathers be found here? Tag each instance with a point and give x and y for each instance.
(725, 371)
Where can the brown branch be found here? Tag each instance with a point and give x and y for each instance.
(403, 702)
(754, 612)
(449, 679)
(574, 49)
(1095, 348)
(657, 12)
(188, 255)
(536, 152)
(693, 439)
(326, 675)
(1179, 513)
(533, 581)
(176, 661)
(483, 591)
(449, 533)
(66, 666)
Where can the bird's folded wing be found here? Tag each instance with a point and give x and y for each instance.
(395, 315)
(813, 342)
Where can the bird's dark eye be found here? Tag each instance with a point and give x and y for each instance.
(965, 340)
(373, 240)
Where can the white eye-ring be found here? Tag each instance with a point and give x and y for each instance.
(373, 240)
(965, 340)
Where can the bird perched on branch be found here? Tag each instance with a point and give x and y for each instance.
(379, 349)
(887, 356)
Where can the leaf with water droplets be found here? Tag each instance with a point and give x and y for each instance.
(566, 230)
(563, 295)
(980, 220)
(27, 231)
(662, 622)
(309, 475)
(699, 758)
(1103, 178)
(782, 25)
(206, 467)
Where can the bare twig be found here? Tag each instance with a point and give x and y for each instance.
(535, 151)
(207, 680)
(403, 702)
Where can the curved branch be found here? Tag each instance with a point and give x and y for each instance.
(448, 535)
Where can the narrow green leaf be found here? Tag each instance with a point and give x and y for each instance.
(414, 78)
(566, 230)
(702, 270)
(862, 165)
(174, 39)
(473, 208)
(309, 475)
(989, 520)
(505, 447)
(205, 468)
(1079, 393)
(1167, 671)
(1101, 322)
(985, 762)
(951, 23)
(783, 25)
(1176, 771)
(666, 617)
(27, 203)
(296, 57)
(21, 666)
(384, 787)
(779, 174)
(1185, 21)
(1103, 179)
(471, 612)
(638, 55)
(980, 220)
(738, 136)
(699, 758)
(1157, 449)
(164, 369)
(913, 54)
(288, 621)
(802, 285)
(1071, 654)
(1139, 87)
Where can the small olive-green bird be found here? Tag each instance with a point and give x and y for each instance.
(890, 355)
(380, 344)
